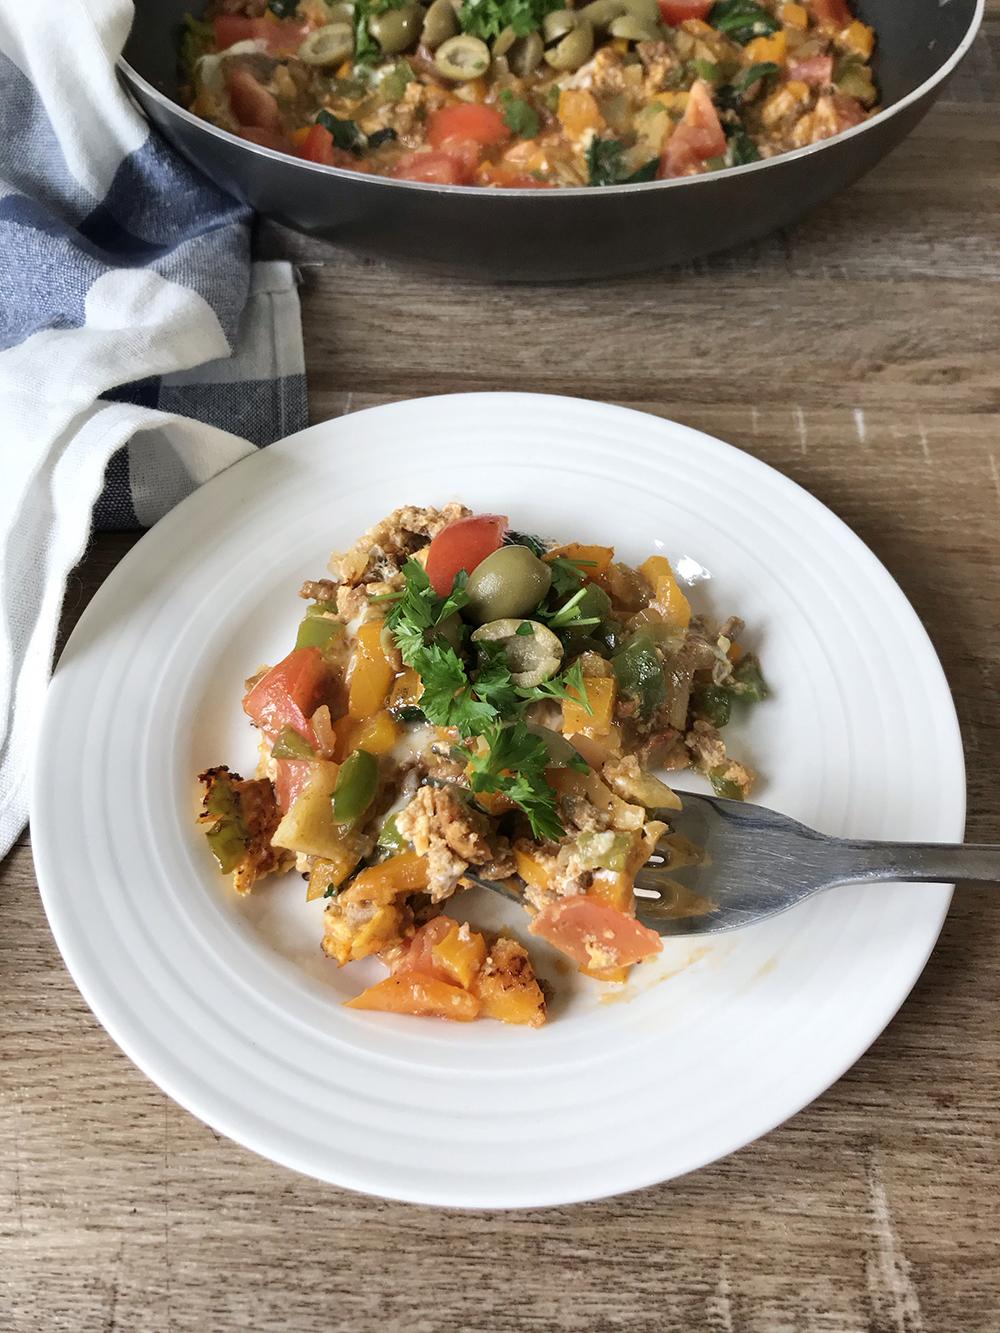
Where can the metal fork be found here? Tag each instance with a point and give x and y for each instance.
(726, 864)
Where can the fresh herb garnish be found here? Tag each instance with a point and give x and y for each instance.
(345, 133)
(534, 544)
(606, 165)
(331, 891)
(706, 70)
(741, 149)
(750, 76)
(742, 20)
(488, 18)
(382, 136)
(518, 115)
(515, 765)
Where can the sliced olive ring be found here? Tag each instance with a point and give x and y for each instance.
(575, 49)
(328, 46)
(462, 58)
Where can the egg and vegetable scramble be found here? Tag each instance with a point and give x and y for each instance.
(530, 94)
(468, 703)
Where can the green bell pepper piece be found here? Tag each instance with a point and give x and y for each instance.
(611, 634)
(726, 787)
(714, 703)
(390, 838)
(229, 835)
(290, 745)
(318, 631)
(639, 672)
(604, 851)
(747, 682)
(356, 785)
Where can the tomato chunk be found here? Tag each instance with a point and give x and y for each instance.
(419, 954)
(289, 694)
(817, 72)
(698, 137)
(499, 179)
(279, 37)
(832, 12)
(319, 147)
(252, 105)
(463, 545)
(466, 122)
(594, 934)
(435, 168)
(676, 11)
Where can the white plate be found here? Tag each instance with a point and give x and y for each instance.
(231, 1008)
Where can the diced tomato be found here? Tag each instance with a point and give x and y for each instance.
(698, 137)
(835, 13)
(280, 37)
(498, 178)
(418, 955)
(849, 112)
(463, 545)
(292, 779)
(319, 147)
(252, 105)
(570, 924)
(676, 11)
(289, 694)
(440, 168)
(267, 138)
(466, 122)
(817, 72)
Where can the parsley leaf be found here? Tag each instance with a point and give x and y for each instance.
(448, 699)
(534, 544)
(741, 149)
(488, 18)
(606, 164)
(559, 688)
(567, 575)
(345, 132)
(418, 609)
(515, 765)
(750, 76)
(742, 20)
(518, 115)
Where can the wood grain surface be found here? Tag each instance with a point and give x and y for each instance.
(858, 353)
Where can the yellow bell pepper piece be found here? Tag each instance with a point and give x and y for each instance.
(406, 689)
(377, 734)
(763, 50)
(461, 954)
(372, 674)
(859, 38)
(601, 693)
(405, 873)
(667, 596)
(783, 102)
(530, 870)
(578, 112)
(795, 16)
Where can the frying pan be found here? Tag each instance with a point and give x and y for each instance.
(551, 235)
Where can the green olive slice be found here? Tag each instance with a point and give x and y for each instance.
(462, 58)
(503, 42)
(558, 24)
(575, 49)
(601, 12)
(532, 657)
(648, 10)
(330, 45)
(440, 23)
(510, 582)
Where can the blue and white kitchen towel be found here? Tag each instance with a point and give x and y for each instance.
(142, 352)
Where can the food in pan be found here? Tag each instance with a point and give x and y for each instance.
(528, 94)
(465, 703)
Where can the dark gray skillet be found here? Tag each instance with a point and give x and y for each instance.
(539, 235)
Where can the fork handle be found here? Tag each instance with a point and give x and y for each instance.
(915, 862)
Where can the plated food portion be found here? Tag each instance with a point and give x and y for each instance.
(466, 704)
(531, 93)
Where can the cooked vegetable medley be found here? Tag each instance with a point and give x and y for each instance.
(467, 702)
(529, 94)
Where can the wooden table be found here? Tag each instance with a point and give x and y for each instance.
(873, 1209)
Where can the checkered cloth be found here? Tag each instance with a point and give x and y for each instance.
(142, 352)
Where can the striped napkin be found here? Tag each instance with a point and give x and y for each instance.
(141, 352)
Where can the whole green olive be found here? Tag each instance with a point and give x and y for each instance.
(558, 24)
(575, 49)
(339, 13)
(601, 12)
(634, 29)
(510, 582)
(531, 657)
(526, 55)
(397, 29)
(330, 45)
(440, 23)
(462, 58)
(648, 10)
